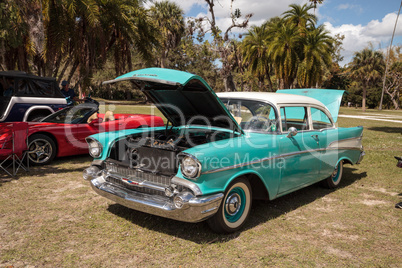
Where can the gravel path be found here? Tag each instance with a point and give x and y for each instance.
(376, 117)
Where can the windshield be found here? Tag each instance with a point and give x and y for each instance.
(72, 115)
(254, 116)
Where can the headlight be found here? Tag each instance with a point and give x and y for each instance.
(190, 167)
(95, 148)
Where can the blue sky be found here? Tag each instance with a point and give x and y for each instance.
(361, 21)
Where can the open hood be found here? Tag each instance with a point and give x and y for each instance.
(183, 98)
(331, 98)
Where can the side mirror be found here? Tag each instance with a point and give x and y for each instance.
(96, 121)
(292, 132)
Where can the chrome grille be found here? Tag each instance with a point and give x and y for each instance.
(123, 171)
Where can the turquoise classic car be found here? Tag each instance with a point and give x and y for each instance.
(217, 153)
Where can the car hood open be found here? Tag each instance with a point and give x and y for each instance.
(331, 98)
(182, 97)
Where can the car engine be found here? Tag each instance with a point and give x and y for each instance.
(158, 152)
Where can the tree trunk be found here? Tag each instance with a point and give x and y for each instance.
(394, 98)
(229, 83)
(66, 64)
(36, 33)
(364, 98)
(269, 81)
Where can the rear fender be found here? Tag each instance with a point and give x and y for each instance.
(36, 109)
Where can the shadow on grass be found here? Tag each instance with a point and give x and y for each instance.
(262, 211)
(387, 129)
(57, 167)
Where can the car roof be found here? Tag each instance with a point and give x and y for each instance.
(274, 98)
(20, 74)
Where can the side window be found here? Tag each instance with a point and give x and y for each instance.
(320, 119)
(294, 116)
(239, 112)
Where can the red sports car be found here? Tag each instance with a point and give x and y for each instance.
(63, 133)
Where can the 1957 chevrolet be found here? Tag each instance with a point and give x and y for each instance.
(216, 155)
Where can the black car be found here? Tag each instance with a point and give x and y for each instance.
(27, 97)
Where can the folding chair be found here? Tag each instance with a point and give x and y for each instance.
(21, 146)
(7, 153)
(19, 150)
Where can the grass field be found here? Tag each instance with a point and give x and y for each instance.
(50, 217)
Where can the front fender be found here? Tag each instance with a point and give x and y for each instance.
(218, 182)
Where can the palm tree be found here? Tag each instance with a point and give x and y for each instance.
(14, 36)
(300, 16)
(284, 52)
(255, 53)
(317, 49)
(74, 33)
(169, 20)
(127, 25)
(367, 67)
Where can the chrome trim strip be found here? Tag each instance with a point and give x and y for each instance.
(142, 78)
(33, 108)
(338, 141)
(276, 157)
(46, 102)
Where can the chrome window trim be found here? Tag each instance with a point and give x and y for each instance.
(277, 114)
(326, 112)
(310, 120)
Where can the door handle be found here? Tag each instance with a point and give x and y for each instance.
(315, 137)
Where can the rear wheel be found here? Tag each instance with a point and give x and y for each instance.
(234, 209)
(334, 180)
(36, 117)
(41, 149)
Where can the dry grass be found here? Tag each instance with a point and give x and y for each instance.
(51, 218)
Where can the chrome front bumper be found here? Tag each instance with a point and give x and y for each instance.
(194, 209)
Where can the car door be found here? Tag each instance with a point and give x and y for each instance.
(300, 152)
(79, 129)
(327, 133)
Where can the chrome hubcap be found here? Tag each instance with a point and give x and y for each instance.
(233, 204)
(40, 151)
(335, 172)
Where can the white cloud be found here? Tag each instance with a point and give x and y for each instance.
(262, 11)
(360, 36)
(385, 27)
(357, 37)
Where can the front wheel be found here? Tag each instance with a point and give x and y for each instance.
(235, 208)
(335, 178)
